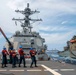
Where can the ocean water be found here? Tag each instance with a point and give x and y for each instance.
(55, 57)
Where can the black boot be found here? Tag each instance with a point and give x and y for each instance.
(19, 65)
(36, 66)
(5, 65)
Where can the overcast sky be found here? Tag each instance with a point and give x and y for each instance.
(58, 25)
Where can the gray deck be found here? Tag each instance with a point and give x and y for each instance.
(44, 68)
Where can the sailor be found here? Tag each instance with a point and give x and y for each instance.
(4, 57)
(21, 53)
(33, 58)
(10, 56)
(13, 58)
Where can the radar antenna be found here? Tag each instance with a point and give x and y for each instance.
(27, 20)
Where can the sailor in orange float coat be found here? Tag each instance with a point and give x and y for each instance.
(4, 57)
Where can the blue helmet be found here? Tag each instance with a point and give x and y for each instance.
(20, 47)
(31, 48)
(11, 48)
(4, 48)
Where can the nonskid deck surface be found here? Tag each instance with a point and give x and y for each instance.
(44, 68)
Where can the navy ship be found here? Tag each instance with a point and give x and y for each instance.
(27, 38)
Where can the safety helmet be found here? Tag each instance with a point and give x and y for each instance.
(11, 48)
(31, 48)
(20, 47)
(4, 48)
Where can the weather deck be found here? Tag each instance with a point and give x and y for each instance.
(44, 68)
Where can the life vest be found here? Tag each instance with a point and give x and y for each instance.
(32, 52)
(21, 52)
(4, 52)
(13, 54)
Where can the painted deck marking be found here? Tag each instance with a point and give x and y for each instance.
(67, 69)
(53, 69)
(50, 70)
(3, 70)
(45, 70)
(16, 70)
(34, 70)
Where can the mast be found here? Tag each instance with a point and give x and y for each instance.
(26, 21)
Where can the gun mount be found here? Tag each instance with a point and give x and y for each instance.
(10, 45)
